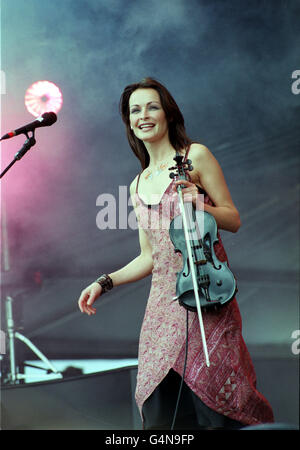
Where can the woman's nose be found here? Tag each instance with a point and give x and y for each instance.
(144, 113)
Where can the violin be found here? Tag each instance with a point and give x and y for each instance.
(204, 281)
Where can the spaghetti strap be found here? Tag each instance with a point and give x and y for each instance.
(185, 158)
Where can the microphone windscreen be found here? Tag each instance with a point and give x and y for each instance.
(49, 118)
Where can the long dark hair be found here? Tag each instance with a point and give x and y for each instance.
(177, 134)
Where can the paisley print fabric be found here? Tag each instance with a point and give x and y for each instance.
(228, 386)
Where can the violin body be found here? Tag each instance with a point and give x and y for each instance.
(216, 283)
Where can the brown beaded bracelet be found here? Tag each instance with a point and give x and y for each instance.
(105, 282)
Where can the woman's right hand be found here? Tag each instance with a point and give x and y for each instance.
(88, 297)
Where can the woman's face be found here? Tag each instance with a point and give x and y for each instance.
(146, 115)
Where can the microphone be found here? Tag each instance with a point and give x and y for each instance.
(45, 120)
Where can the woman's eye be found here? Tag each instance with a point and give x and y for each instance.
(136, 110)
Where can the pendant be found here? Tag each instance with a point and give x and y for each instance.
(148, 176)
(157, 172)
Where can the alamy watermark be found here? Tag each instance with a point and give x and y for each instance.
(296, 344)
(120, 213)
(114, 214)
(295, 88)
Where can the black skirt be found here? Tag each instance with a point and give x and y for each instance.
(192, 414)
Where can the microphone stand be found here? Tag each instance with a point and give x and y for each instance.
(30, 142)
(14, 376)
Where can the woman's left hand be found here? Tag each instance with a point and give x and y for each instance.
(190, 193)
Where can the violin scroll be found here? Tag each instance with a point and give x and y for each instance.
(181, 167)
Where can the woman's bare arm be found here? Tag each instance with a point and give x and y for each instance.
(138, 268)
(208, 173)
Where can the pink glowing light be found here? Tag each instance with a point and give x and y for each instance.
(43, 96)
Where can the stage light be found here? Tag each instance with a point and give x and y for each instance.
(43, 96)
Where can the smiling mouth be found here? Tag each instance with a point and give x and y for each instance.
(146, 126)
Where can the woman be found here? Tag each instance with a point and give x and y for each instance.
(224, 394)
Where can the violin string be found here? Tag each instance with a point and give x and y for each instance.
(187, 210)
(200, 270)
(194, 222)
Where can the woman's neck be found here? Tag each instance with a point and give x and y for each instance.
(159, 151)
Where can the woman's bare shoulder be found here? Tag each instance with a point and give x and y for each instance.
(199, 151)
(201, 158)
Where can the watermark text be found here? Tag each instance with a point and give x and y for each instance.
(295, 88)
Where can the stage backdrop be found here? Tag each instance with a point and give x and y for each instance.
(233, 68)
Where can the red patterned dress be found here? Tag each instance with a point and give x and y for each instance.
(228, 386)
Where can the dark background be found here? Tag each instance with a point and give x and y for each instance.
(229, 66)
